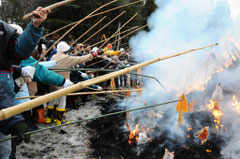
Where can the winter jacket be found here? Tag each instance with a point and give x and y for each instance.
(13, 49)
(42, 74)
(16, 49)
(65, 61)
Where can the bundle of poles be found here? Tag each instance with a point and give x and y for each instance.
(93, 118)
(11, 111)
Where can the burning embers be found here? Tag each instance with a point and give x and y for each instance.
(137, 136)
(133, 134)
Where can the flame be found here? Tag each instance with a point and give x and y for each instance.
(200, 86)
(236, 104)
(208, 150)
(214, 108)
(133, 135)
(211, 105)
(228, 63)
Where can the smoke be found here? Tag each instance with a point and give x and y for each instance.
(177, 26)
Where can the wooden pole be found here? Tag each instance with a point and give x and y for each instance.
(88, 30)
(125, 5)
(55, 5)
(73, 28)
(87, 93)
(130, 33)
(118, 30)
(87, 119)
(11, 111)
(104, 27)
(115, 35)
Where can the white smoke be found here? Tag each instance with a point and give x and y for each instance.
(179, 25)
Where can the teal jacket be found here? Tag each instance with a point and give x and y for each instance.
(42, 74)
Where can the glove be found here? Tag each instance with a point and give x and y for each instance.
(28, 71)
(19, 130)
(67, 83)
(99, 88)
(84, 75)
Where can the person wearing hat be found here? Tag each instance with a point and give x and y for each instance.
(14, 49)
(65, 61)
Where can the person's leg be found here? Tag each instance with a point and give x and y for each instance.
(5, 147)
(50, 112)
(60, 110)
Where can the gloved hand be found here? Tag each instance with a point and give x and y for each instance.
(99, 88)
(84, 75)
(19, 130)
(28, 71)
(67, 83)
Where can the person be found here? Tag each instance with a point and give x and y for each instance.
(65, 61)
(14, 49)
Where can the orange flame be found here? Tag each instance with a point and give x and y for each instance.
(228, 63)
(214, 107)
(133, 135)
(236, 104)
(208, 151)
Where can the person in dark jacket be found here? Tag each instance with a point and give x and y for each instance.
(13, 49)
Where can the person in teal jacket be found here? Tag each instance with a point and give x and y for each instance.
(43, 74)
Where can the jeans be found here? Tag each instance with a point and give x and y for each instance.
(5, 147)
(8, 85)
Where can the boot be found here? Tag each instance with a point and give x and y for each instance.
(40, 116)
(50, 114)
(59, 117)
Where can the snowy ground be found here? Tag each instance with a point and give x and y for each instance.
(67, 142)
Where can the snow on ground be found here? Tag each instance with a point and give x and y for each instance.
(67, 142)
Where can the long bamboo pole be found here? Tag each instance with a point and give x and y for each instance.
(55, 5)
(104, 27)
(89, 93)
(114, 36)
(118, 30)
(88, 31)
(125, 5)
(92, 118)
(130, 33)
(73, 28)
(8, 112)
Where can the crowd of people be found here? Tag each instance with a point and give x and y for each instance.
(21, 76)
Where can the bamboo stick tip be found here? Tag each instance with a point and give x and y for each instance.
(3, 115)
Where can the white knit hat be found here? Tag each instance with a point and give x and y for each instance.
(62, 46)
(95, 49)
(17, 27)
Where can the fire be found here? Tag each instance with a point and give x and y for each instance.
(211, 105)
(219, 70)
(236, 104)
(133, 135)
(208, 151)
(228, 63)
(214, 107)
